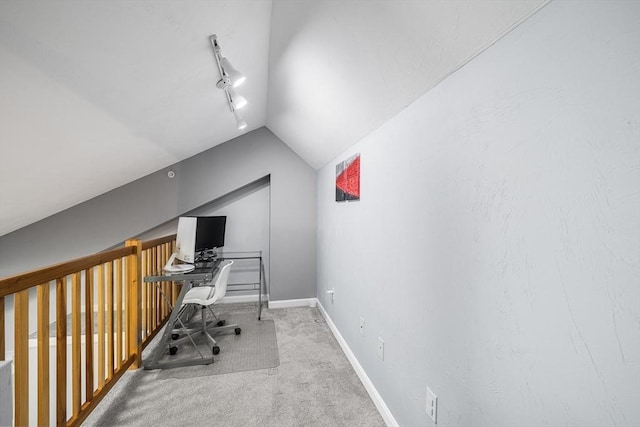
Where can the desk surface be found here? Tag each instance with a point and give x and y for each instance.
(203, 271)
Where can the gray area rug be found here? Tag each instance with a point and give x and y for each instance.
(255, 348)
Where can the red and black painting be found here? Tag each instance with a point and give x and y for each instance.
(348, 179)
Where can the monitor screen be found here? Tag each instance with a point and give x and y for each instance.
(210, 232)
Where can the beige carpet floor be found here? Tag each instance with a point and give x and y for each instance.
(313, 385)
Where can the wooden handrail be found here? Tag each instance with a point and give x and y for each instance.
(20, 282)
(157, 242)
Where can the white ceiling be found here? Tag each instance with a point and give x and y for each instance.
(340, 69)
(96, 94)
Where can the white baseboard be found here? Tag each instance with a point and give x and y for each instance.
(303, 302)
(386, 414)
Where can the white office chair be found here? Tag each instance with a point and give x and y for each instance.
(203, 297)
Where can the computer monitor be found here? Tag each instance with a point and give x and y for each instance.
(197, 240)
(210, 232)
(185, 246)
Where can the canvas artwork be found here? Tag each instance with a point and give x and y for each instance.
(348, 179)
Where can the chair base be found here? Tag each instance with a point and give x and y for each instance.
(208, 328)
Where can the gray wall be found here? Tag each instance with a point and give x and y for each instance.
(156, 199)
(247, 211)
(495, 247)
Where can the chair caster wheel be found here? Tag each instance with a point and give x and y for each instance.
(216, 349)
(173, 350)
(238, 330)
(221, 323)
(175, 336)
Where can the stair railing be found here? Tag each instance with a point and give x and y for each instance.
(103, 316)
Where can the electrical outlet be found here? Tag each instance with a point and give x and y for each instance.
(432, 406)
(333, 295)
(380, 348)
(361, 326)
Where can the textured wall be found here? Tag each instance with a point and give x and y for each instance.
(495, 247)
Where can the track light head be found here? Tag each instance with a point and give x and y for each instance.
(236, 77)
(237, 101)
(239, 120)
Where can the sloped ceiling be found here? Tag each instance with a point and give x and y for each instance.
(96, 94)
(340, 69)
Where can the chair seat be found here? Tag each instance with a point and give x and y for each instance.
(200, 295)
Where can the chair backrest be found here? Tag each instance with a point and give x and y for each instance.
(221, 282)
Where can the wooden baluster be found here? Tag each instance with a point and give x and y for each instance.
(2, 347)
(76, 333)
(143, 297)
(61, 352)
(134, 280)
(101, 327)
(21, 357)
(110, 351)
(43, 354)
(165, 284)
(153, 305)
(119, 331)
(152, 290)
(159, 305)
(161, 286)
(88, 333)
(148, 289)
(127, 298)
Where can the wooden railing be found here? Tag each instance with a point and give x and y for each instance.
(113, 315)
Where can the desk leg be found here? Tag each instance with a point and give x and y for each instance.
(260, 290)
(166, 337)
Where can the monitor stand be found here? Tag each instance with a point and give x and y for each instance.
(169, 267)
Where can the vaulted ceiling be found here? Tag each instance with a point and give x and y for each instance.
(96, 94)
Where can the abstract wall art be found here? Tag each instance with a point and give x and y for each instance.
(348, 179)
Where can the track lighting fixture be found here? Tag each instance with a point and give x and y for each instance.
(230, 78)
